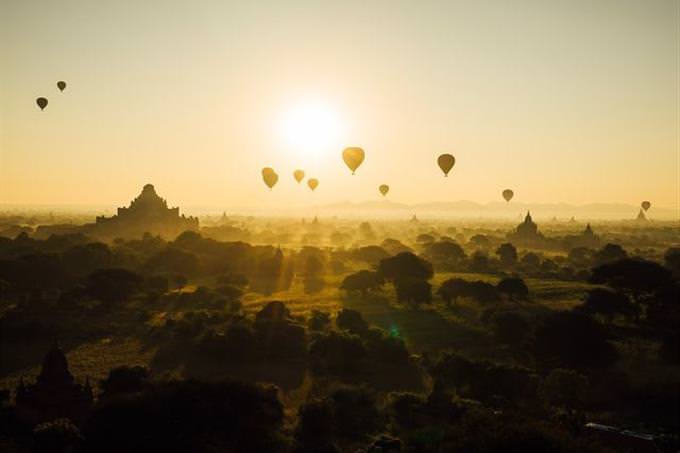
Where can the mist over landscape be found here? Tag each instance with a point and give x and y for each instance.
(343, 226)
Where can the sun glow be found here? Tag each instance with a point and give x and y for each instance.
(311, 129)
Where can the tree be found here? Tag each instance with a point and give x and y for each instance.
(580, 256)
(609, 253)
(362, 281)
(355, 413)
(480, 241)
(114, 284)
(672, 260)
(80, 260)
(34, 272)
(269, 272)
(572, 340)
(157, 284)
(123, 380)
(531, 261)
(482, 292)
(424, 239)
(235, 279)
(370, 254)
(318, 320)
(59, 435)
(405, 265)
(514, 288)
(351, 321)
(394, 246)
(173, 260)
(564, 388)
(336, 354)
(608, 304)
(479, 262)
(231, 293)
(313, 281)
(509, 327)
(507, 254)
(452, 289)
(444, 251)
(635, 276)
(189, 415)
(273, 312)
(314, 430)
(413, 291)
(366, 230)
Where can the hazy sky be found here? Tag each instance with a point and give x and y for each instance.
(562, 101)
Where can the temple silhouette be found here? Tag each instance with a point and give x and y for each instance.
(526, 232)
(55, 393)
(148, 213)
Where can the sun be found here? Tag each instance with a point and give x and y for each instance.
(311, 129)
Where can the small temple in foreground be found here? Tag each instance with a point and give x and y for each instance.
(55, 394)
(148, 213)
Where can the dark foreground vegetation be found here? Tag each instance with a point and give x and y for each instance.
(407, 337)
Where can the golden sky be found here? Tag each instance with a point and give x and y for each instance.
(563, 101)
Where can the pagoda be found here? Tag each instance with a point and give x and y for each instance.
(148, 213)
(55, 394)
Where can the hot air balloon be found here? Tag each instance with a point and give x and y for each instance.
(508, 194)
(646, 205)
(384, 188)
(61, 85)
(353, 157)
(298, 175)
(446, 163)
(269, 177)
(312, 183)
(42, 103)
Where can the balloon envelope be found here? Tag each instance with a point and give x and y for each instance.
(269, 177)
(353, 157)
(312, 183)
(298, 175)
(646, 205)
(61, 85)
(384, 188)
(42, 103)
(446, 163)
(508, 194)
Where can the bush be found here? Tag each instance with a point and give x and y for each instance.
(351, 321)
(413, 291)
(319, 321)
(572, 340)
(514, 288)
(337, 354)
(564, 388)
(189, 416)
(509, 327)
(362, 281)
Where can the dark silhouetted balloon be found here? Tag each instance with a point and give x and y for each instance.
(61, 85)
(646, 205)
(384, 188)
(508, 194)
(446, 163)
(42, 103)
(298, 175)
(269, 177)
(313, 183)
(353, 157)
